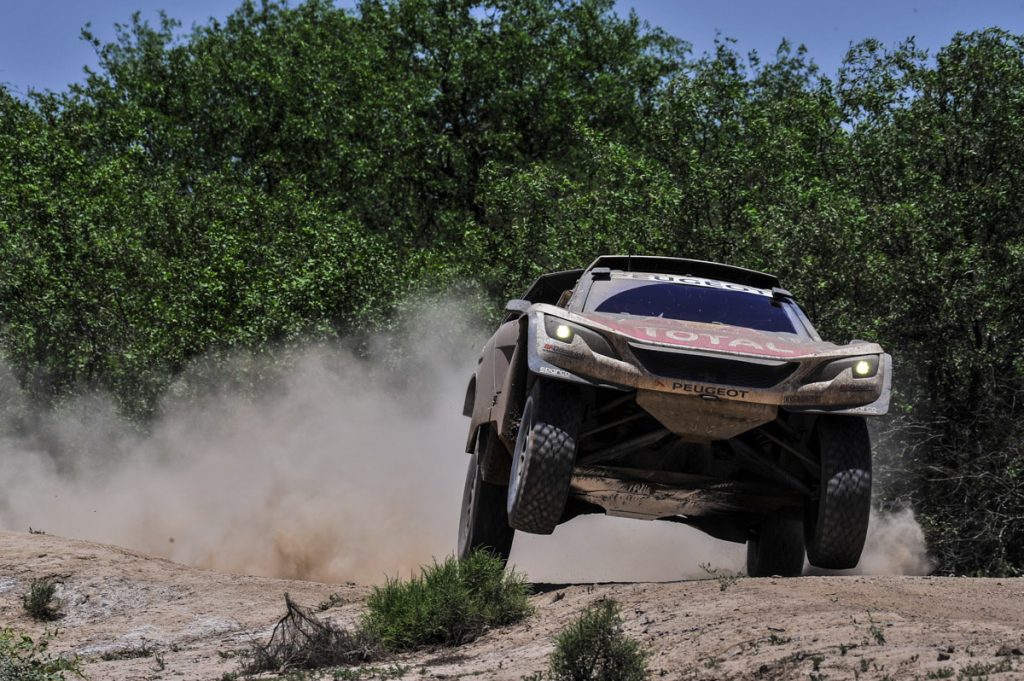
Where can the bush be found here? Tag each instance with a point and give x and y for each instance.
(301, 641)
(39, 601)
(594, 648)
(449, 604)
(22, 659)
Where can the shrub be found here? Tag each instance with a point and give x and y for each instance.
(22, 659)
(301, 641)
(448, 604)
(594, 648)
(39, 602)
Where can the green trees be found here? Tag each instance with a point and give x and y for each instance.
(297, 172)
(939, 158)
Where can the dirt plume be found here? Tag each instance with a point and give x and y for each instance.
(599, 548)
(337, 469)
(895, 546)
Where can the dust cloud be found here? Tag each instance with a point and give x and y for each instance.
(599, 548)
(895, 546)
(340, 469)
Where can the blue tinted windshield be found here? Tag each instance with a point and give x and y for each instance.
(691, 303)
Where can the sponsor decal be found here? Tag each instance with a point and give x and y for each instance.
(563, 350)
(555, 372)
(651, 329)
(712, 339)
(691, 281)
(713, 390)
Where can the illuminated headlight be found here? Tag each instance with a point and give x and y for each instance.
(566, 332)
(865, 366)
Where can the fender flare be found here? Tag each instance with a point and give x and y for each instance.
(467, 405)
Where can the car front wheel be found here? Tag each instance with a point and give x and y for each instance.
(836, 521)
(544, 457)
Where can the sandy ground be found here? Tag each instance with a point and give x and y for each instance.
(196, 622)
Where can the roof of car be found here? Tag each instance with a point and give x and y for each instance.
(549, 287)
(686, 267)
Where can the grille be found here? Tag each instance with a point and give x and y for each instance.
(704, 369)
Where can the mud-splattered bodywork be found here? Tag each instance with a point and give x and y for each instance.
(681, 395)
(707, 382)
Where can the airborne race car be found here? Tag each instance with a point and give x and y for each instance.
(671, 389)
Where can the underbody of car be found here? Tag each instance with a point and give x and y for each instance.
(680, 390)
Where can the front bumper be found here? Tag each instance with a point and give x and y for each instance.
(731, 377)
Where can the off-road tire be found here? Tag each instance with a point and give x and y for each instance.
(836, 522)
(544, 457)
(483, 523)
(778, 548)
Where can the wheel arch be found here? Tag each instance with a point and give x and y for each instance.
(467, 404)
(468, 409)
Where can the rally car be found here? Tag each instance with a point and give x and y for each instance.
(671, 389)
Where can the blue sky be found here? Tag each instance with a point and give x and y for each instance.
(40, 48)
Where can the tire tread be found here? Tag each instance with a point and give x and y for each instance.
(543, 496)
(836, 538)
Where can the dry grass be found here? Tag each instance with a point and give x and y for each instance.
(301, 641)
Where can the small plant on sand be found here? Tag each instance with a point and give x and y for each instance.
(40, 602)
(981, 670)
(724, 579)
(143, 650)
(25, 659)
(330, 602)
(594, 648)
(450, 603)
(876, 631)
(395, 671)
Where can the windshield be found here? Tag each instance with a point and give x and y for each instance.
(704, 301)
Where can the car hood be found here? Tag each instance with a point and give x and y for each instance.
(719, 338)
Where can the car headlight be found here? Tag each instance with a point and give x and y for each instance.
(865, 366)
(563, 331)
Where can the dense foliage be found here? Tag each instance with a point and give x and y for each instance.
(25, 659)
(297, 172)
(448, 604)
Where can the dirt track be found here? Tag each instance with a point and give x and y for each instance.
(196, 621)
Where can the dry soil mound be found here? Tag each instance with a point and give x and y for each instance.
(194, 622)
